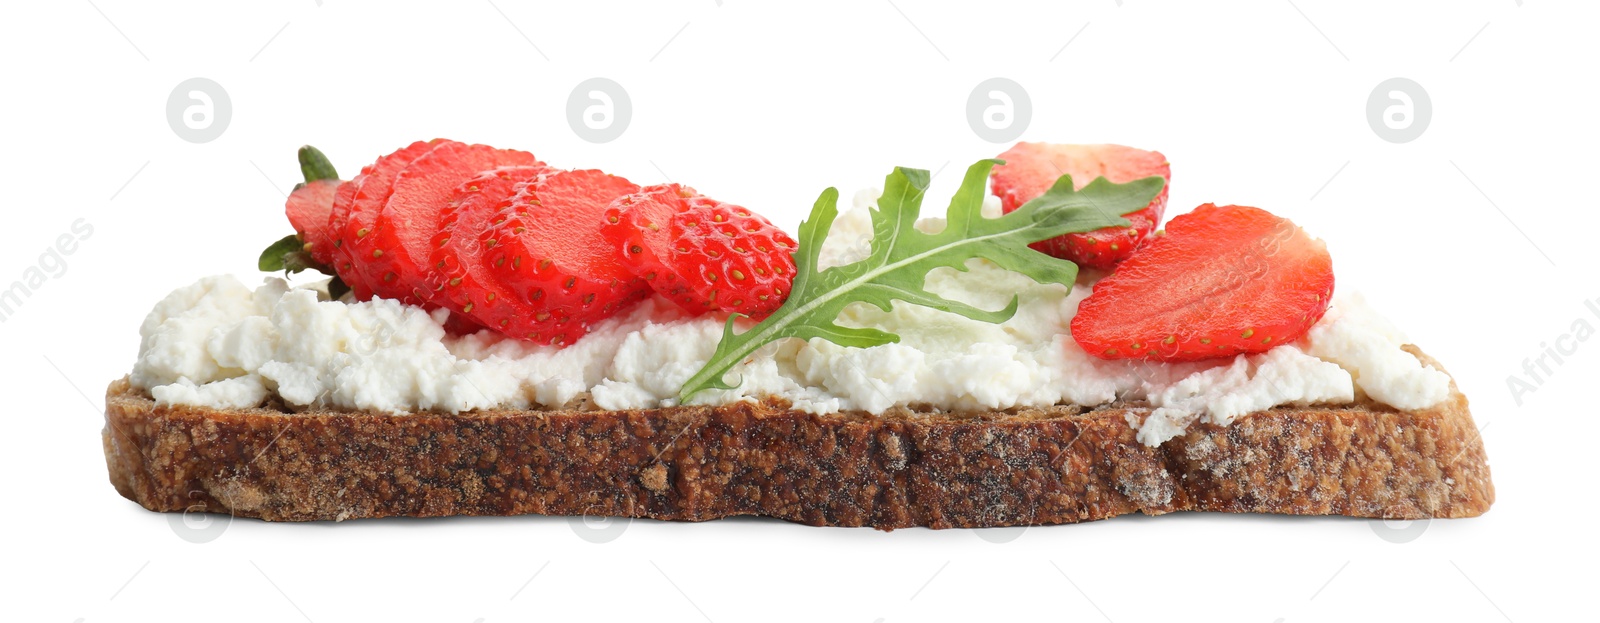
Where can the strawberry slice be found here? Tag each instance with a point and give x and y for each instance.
(1031, 168)
(1221, 281)
(356, 206)
(308, 208)
(547, 247)
(397, 250)
(459, 273)
(343, 266)
(701, 253)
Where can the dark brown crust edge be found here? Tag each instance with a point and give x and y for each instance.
(1028, 467)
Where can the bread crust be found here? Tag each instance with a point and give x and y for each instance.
(1055, 465)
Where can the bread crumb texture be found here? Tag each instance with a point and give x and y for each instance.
(1022, 467)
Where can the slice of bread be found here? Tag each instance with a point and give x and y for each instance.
(1055, 465)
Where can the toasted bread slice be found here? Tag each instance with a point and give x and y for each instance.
(1056, 465)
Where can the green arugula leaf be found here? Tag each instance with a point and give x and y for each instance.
(901, 256)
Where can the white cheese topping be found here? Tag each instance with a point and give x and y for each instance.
(217, 343)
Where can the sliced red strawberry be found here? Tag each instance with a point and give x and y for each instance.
(1031, 168)
(459, 272)
(356, 206)
(397, 249)
(639, 228)
(340, 260)
(1221, 281)
(308, 208)
(546, 246)
(701, 253)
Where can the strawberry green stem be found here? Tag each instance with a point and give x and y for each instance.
(315, 166)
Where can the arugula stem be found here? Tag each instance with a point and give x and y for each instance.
(707, 374)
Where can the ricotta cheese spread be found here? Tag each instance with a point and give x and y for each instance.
(218, 343)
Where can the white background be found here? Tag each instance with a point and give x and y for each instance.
(1477, 238)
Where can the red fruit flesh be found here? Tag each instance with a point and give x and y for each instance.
(701, 253)
(1031, 168)
(1220, 282)
(547, 247)
(356, 207)
(397, 249)
(459, 272)
(343, 266)
(639, 228)
(308, 208)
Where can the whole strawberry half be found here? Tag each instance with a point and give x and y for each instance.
(701, 253)
(1219, 282)
(308, 208)
(1031, 168)
(546, 247)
